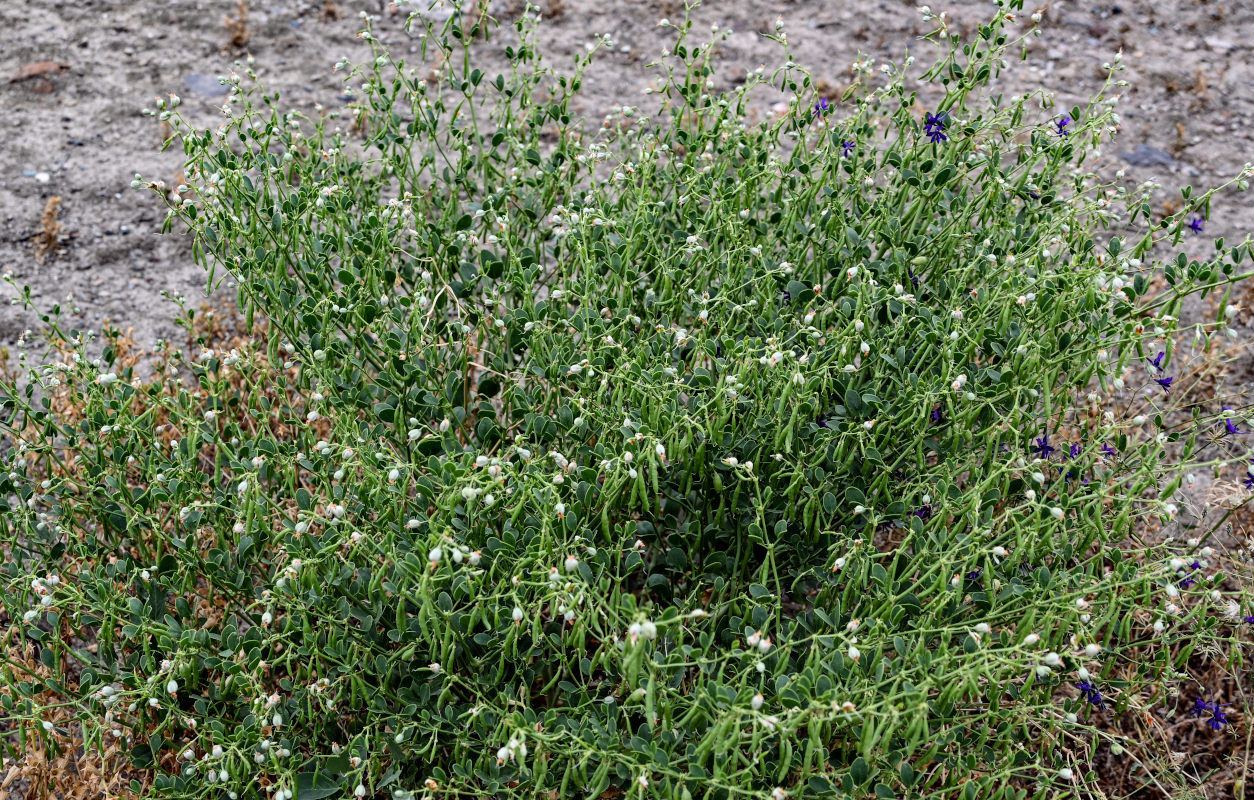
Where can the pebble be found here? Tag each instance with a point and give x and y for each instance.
(204, 85)
(1146, 156)
(1218, 45)
(42, 177)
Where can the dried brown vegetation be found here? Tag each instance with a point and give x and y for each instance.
(48, 240)
(237, 26)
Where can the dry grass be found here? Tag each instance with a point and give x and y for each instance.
(73, 770)
(48, 240)
(57, 764)
(237, 26)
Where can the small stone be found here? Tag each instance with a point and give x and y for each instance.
(42, 177)
(1146, 156)
(1218, 45)
(204, 85)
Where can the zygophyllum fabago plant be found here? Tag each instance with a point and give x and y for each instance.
(692, 457)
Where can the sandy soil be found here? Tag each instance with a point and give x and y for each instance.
(74, 130)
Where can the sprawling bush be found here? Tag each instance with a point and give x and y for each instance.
(691, 457)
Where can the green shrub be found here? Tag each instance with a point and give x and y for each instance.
(687, 458)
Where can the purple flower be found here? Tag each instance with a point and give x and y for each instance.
(1248, 620)
(1230, 427)
(924, 513)
(1165, 383)
(1200, 709)
(1075, 449)
(1157, 361)
(936, 415)
(846, 147)
(1196, 225)
(1042, 447)
(914, 280)
(1109, 451)
(934, 127)
(1188, 580)
(1062, 126)
(821, 421)
(1217, 718)
(821, 107)
(1091, 693)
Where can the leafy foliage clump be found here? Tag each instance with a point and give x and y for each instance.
(690, 458)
